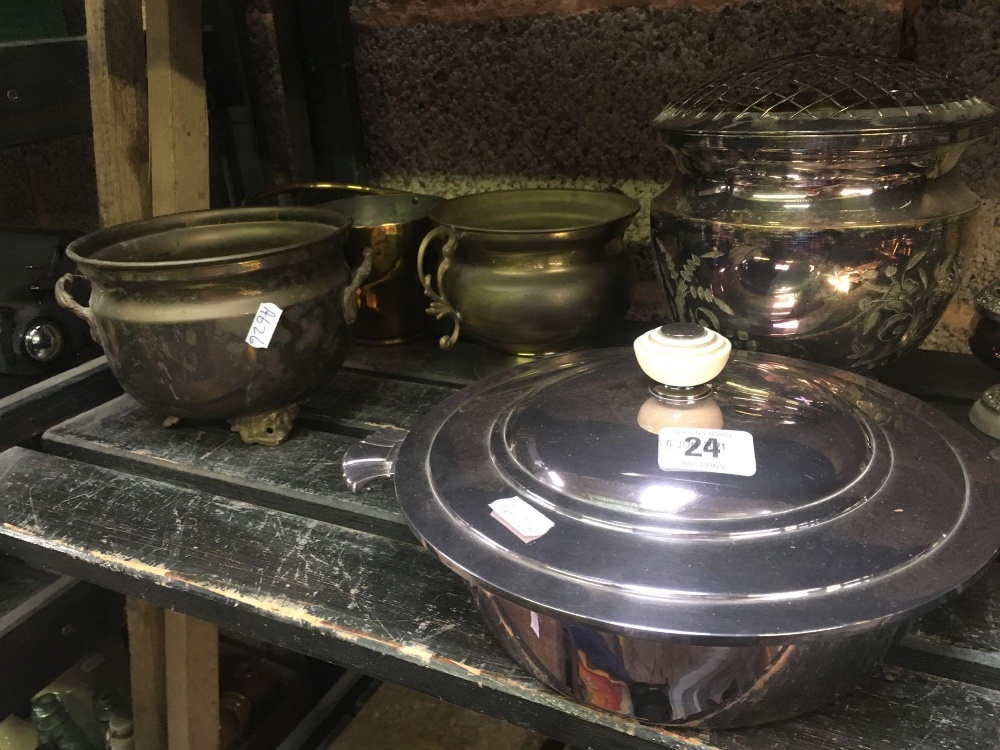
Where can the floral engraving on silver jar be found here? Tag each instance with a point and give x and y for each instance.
(900, 308)
(862, 314)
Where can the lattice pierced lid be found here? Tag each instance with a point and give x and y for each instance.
(837, 95)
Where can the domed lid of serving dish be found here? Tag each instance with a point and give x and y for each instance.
(784, 499)
(828, 101)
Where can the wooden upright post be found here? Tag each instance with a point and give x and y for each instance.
(178, 146)
(116, 47)
(178, 111)
(151, 151)
(148, 673)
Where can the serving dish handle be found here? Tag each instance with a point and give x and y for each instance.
(372, 458)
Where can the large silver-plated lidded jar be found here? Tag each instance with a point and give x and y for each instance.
(814, 212)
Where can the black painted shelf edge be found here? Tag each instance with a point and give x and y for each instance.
(508, 693)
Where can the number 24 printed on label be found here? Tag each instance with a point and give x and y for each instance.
(715, 451)
(695, 447)
(264, 324)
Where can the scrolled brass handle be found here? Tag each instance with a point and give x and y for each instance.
(440, 307)
(350, 294)
(65, 300)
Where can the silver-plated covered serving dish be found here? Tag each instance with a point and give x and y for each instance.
(815, 212)
(698, 555)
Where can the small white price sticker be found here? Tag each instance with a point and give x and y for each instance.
(263, 326)
(716, 451)
(520, 518)
(536, 628)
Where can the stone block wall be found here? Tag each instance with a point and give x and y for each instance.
(459, 96)
(962, 37)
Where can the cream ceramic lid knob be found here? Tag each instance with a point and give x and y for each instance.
(682, 355)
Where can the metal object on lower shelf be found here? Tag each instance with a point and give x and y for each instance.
(37, 336)
(985, 344)
(54, 724)
(985, 413)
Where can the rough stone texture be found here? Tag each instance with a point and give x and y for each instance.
(407, 12)
(573, 96)
(962, 37)
(397, 718)
(567, 100)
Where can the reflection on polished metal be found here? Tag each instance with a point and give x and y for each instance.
(390, 302)
(43, 341)
(814, 212)
(698, 597)
(672, 682)
(530, 272)
(985, 344)
(174, 298)
(674, 395)
(373, 458)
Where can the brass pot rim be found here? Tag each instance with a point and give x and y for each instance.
(81, 250)
(628, 207)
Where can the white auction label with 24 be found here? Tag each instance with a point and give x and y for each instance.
(715, 451)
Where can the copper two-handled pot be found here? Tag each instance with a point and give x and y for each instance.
(390, 303)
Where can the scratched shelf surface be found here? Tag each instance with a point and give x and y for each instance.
(301, 476)
(389, 609)
(270, 542)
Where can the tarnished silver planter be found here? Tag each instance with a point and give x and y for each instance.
(175, 300)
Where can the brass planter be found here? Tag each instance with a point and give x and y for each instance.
(530, 272)
(175, 298)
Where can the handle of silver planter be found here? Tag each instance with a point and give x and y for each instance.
(65, 300)
(440, 307)
(350, 294)
(372, 458)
